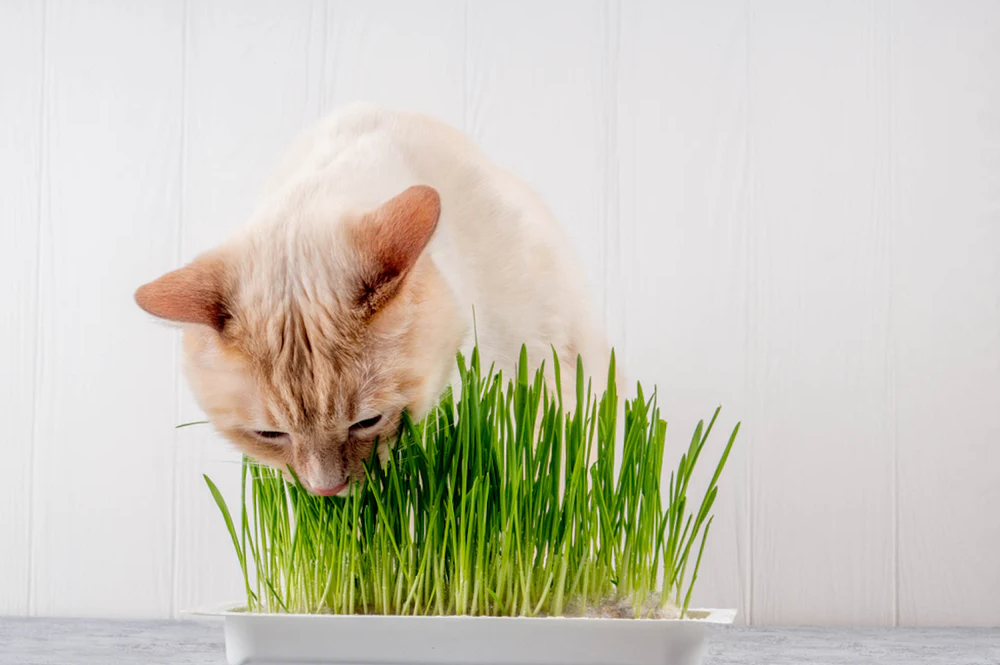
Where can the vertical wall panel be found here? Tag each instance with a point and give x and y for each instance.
(406, 55)
(21, 62)
(537, 104)
(252, 84)
(682, 138)
(946, 309)
(821, 472)
(102, 480)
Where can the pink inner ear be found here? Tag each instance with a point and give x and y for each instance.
(192, 294)
(397, 232)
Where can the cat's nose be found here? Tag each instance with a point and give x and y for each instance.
(328, 491)
(322, 475)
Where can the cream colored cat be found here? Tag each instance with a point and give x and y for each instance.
(346, 298)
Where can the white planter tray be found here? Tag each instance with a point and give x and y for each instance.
(272, 639)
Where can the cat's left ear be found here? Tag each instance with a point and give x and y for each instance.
(389, 241)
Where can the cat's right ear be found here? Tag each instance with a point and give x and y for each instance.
(389, 241)
(192, 294)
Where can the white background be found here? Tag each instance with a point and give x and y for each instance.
(789, 208)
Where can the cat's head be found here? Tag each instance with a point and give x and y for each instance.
(306, 338)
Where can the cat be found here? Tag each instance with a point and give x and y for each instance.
(384, 243)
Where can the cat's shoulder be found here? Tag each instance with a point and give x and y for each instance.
(359, 118)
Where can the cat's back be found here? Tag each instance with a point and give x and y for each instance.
(365, 154)
(496, 242)
(363, 138)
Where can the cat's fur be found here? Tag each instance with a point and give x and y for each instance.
(353, 287)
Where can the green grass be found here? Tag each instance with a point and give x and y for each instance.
(489, 507)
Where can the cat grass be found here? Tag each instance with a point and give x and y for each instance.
(490, 506)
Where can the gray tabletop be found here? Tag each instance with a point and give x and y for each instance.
(93, 642)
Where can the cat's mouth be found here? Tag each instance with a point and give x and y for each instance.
(336, 490)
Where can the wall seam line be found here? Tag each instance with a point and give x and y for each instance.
(43, 165)
(178, 256)
(325, 49)
(893, 411)
(748, 304)
(467, 123)
(613, 316)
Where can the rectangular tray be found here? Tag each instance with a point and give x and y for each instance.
(265, 639)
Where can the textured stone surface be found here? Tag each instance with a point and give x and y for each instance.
(854, 646)
(103, 642)
(100, 642)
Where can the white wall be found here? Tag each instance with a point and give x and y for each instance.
(791, 208)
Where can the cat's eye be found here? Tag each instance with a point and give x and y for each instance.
(366, 423)
(270, 435)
